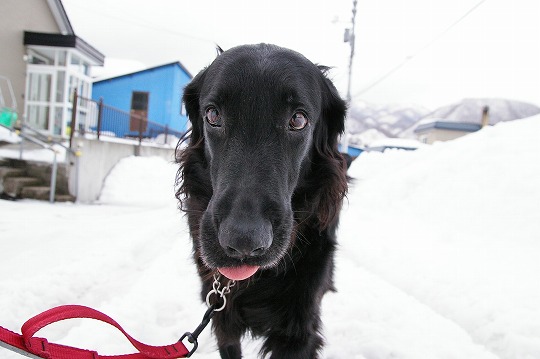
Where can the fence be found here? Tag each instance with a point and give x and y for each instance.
(90, 117)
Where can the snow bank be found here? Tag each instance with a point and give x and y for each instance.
(456, 226)
(139, 181)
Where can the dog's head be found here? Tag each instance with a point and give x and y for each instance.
(262, 156)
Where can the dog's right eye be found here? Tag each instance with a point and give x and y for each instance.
(213, 117)
(298, 122)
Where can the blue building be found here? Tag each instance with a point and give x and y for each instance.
(353, 150)
(154, 94)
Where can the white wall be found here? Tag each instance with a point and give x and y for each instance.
(96, 161)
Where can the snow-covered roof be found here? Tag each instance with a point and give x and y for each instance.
(175, 63)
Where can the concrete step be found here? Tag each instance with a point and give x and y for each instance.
(42, 193)
(11, 172)
(64, 198)
(14, 185)
(12, 162)
(30, 179)
(35, 192)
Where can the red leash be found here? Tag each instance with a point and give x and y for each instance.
(34, 347)
(29, 345)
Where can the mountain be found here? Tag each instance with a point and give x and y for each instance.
(368, 122)
(470, 110)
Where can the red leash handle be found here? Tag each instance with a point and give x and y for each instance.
(42, 348)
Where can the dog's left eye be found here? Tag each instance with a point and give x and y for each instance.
(213, 117)
(298, 121)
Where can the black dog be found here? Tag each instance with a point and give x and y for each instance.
(262, 183)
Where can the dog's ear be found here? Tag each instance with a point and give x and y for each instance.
(219, 50)
(192, 179)
(334, 107)
(191, 102)
(329, 164)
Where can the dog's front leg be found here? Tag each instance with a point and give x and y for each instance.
(299, 337)
(304, 347)
(230, 351)
(228, 336)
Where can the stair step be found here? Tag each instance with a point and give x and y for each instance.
(35, 192)
(11, 172)
(64, 198)
(43, 193)
(14, 185)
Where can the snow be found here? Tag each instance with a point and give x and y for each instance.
(32, 152)
(8, 136)
(405, 143)
(439, 256)
(37, 154)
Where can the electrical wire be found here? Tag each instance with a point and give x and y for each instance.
(419, 51)
(143, 24)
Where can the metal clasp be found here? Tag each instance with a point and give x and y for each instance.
(216, 285)
(222, 293)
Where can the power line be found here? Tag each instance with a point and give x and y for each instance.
(419, 51)
(144, 24)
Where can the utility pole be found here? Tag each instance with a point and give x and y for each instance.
(350, 38)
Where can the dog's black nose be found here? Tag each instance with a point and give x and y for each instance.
(245, 238)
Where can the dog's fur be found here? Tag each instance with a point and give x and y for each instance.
(260, 192)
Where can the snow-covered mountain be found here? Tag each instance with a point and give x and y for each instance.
(368, 122)
(470, 110)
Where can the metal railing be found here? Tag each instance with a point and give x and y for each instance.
(94, 117)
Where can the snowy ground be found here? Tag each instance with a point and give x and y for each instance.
(439, 257)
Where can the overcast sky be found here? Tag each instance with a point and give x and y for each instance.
(494, 51)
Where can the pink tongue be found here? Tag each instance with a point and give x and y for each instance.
(238, 273)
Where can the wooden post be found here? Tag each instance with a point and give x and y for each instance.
(73, 118)
(141, 119)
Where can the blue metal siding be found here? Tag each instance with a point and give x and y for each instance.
(181, 80)
(165, 86)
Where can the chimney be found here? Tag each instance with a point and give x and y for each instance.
(485, 116)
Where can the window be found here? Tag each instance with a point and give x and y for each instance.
(60, 80)
(53, 73)
(40, 87)
(139, 101)
(40, 58)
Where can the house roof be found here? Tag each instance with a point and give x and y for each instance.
(60, 16)
(466, 115)
(175, 63)
(66, 38)
(447, 125)
(59, 40)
